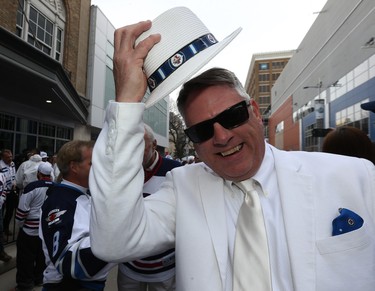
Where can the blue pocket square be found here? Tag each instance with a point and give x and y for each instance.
(347, 221)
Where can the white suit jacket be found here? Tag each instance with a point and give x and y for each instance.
(189, 211)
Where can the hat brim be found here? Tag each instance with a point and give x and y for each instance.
(370, 106)
(188, 69)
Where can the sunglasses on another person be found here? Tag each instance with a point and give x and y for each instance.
(230, 118)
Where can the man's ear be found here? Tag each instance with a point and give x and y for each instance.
(255, 109)
(73, 166)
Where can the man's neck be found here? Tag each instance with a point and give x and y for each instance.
(154, 160)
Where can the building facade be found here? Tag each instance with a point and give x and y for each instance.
(56, 75)
(100, 82)
(43, 63)
(331, 74)
(263, 72)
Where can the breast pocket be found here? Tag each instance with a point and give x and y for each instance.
(346, 262)
(357, 239)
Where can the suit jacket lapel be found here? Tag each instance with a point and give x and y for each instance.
(298, 203)
(212, 195)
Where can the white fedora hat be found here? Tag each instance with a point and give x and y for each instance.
(186, 45)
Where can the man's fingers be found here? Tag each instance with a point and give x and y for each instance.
(125, 37)
(128, 61)
(143, 47)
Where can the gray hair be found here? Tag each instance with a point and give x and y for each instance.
(211, 77)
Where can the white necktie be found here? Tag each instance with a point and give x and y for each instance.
(251, 269)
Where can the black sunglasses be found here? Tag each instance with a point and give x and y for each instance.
(230, 118)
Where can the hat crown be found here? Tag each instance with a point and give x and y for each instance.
(178, 27)
(186, 45)
(44, 168)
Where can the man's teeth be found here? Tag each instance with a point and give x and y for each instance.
(231, 151)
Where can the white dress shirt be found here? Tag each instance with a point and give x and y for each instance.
(272, 212)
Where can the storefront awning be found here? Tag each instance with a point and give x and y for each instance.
(30, 77)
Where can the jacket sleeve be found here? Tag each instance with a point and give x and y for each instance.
(116, 183)
(23, 208)
(19, 176)
(2, 190)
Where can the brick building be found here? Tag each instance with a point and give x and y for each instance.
(43, 73)
(56, 75)
(263, 72)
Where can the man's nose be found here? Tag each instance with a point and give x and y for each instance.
(221, 134)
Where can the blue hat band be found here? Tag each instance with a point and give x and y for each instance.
(179, 58)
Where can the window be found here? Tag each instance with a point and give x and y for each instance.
(42, 25)
(264, 100)
(280, 127)
(58, 44)
(47, 129)
(278, 65)
(64, 133)
(156, 117)
(263, 109)
(20, 134)
(109, 86)
(263, 66)
(264, 77)
(40, 31)
(7, 122)
(109, 80)
(303, 111)
(275, 76)
(27, 126)
(19, 24)
(354, 116)
(264, 89)
(311, 143)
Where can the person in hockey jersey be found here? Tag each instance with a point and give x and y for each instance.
(65, 220)
(30, 257)
(3, 255)
(155, 273)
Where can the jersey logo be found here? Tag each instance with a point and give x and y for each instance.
(54, 216)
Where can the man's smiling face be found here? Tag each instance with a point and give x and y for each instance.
(234, 154)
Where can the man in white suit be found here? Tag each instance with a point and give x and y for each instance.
(197, 207)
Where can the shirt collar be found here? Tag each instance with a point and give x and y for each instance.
(266, 168)
(79, 187)
(150, 168)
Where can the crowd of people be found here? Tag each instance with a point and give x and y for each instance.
(22, 195)
(52, 212)
(249, 216)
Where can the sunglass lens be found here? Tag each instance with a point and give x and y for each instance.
(233, 116)
(200, 132)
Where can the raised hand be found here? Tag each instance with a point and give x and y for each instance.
(130, 80)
